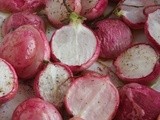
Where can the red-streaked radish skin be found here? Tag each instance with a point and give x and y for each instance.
(92, 9)
(22, 18)
(76, 118)
(25, 49)
(57, 13)
(152, 27)
(21, 5)
(132, 12)
(36, 109)
(75, 45)
(115, 37)
(138, 102)
(9, 82)
(150, 9)
(139, 63)
(90, 98)
(52, 83)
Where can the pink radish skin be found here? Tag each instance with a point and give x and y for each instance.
(20, 5)
(152, 27)
(130, 71)
(52, 83)
(150, 9)
(90, 98)
(138, 102)
(9, 82)
(28, 44)
(115, 37)
(22, 18)
(92, 9)
(36, 109)
(77, 58)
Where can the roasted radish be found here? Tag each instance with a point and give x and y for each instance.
(36, 109)
(75, 45)
(76, 118)
(8, 80)
(138, 102)
(114, 36)
(52, 83)
(21, 5)
(149, 9)
(131, 12)
(25, 48)
(92, 97)
(156, 85)
(22, 18)
(152, 27)
(140, 64)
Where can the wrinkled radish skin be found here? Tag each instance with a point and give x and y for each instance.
(75, 46)
(90, 98)
(52, 83)
(152, 28)
(138, 64)
(9, 82)
(36, 109)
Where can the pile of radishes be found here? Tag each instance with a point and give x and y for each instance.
(77, 63)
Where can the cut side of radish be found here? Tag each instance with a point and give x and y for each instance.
(132, 12)
(138, 102)
(36, 109)
(75, 46)
(138, 64)
(9, 82)
(152, 28)
(52, 83)
(92, 97)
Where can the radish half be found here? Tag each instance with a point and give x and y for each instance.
(149, 9)
(114, 36)
(36, 109)
(132, 12)
(53, 82)
(152, 28)
(92, 97)
(8, 80)
(140, 64)
(75, 45)
(138, 102)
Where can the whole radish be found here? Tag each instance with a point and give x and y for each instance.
(22, 18)
(36, 109)
(25, 48)
(152, 27)
(75, 45)
(139, 63)
(9, 82)
(138, 102)
(21, 5)
(92, 97)
(114, 36)
(52, 83)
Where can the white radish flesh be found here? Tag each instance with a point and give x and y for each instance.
(75, 46)
(92, 97)
(52, 83)
(152, 28)
(9, 82)
(36, 109)
(138, 64)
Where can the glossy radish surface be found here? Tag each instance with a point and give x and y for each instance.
(36, 109)
(9, 82)
(90, 97)
(75, 45)
(138, 102)
(152, 27)
(114, 36)
(23, 18)
(52, 83)
(25, 48)
(139, 63)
